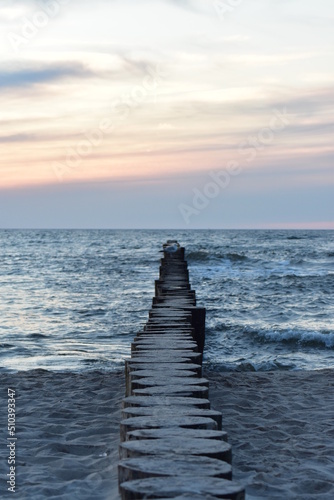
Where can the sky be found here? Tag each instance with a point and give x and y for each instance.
(166, 114)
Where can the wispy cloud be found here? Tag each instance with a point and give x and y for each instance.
(26, 77)
(185, 4)
(16, 138)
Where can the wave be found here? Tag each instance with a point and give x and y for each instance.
(303, 337)
(236, 256)
(91, 312)
(204, 255)
(248, 366)
(220, 327)
(37, 336)
(199, 255)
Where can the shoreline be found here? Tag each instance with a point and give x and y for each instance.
(280, 425)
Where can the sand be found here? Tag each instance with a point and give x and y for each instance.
(67, 434)
(280, 425)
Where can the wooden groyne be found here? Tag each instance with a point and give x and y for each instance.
(172, 443)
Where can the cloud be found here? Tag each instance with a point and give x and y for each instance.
(29, 76)
(10, 13)
(15, 138)
(165, 126)
(196, 6)
(38, 137)
(309, 102)
(188, 4)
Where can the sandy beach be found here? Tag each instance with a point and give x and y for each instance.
(67, 428)
(281, 428)
(280, 425)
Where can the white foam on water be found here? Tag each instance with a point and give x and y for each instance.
(300, 336)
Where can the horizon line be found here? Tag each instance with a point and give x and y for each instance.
(166, 229)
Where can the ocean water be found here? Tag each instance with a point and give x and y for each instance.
(73, 299)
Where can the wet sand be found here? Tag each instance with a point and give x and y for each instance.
(280, 425)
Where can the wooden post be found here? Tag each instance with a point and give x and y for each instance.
(172, 443)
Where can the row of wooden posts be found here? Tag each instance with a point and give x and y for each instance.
(172, 443)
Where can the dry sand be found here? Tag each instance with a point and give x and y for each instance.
(280, 425)
(67, 434)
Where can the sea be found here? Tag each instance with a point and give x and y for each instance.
(74, 299)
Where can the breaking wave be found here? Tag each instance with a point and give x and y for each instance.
(304, 337)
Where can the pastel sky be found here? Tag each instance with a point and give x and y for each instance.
(167, 113)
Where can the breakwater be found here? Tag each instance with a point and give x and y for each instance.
(172, 442)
